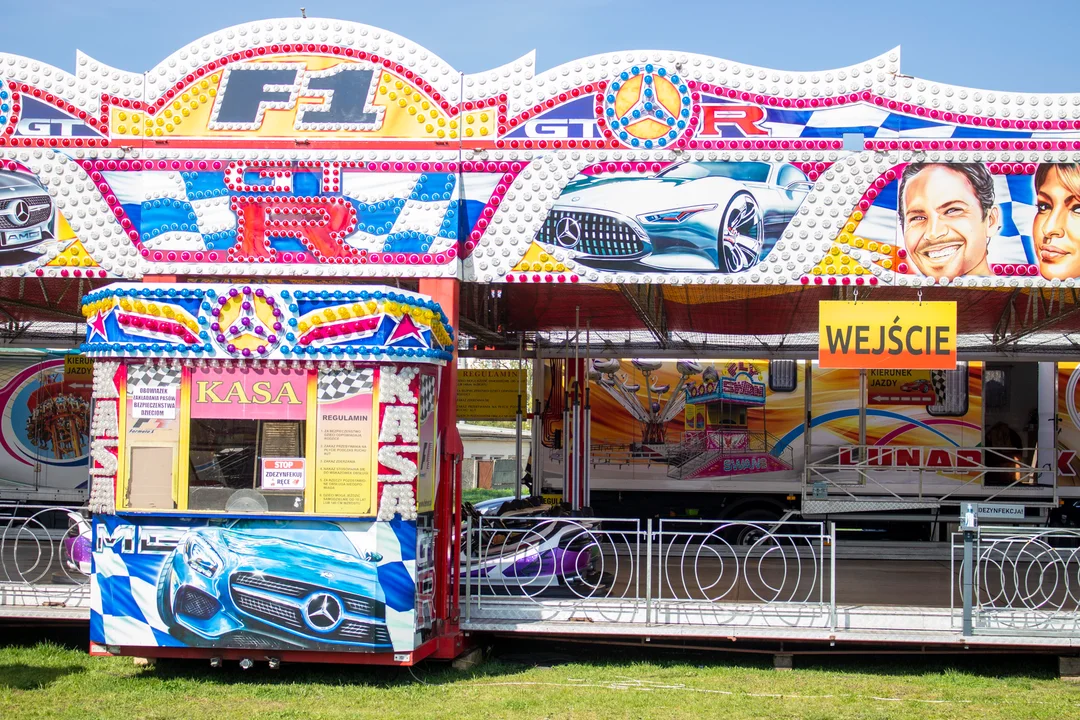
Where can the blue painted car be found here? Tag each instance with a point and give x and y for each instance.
(270, 584)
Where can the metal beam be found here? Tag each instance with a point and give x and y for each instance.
(1045, 307)
(647, 301)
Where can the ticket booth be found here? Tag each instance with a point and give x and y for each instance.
(264, 470)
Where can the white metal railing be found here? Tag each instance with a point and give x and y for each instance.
(1024, 580)
(44, 556)
(901, 473)
(668, 572)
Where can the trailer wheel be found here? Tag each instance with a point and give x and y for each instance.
(749, 534)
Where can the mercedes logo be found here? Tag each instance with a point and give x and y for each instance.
(20, 212)
(323, 612)
(567, 231)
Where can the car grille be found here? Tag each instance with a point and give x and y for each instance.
(195, 603)
(363, 632)
(598, 235)
(40, 209)
(268, 610)
(251, 640)
(356, 604)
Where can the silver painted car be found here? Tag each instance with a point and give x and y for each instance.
(720, 216)
(26, 212)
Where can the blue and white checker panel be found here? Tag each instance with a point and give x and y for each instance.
(254, 583)
(396, 212)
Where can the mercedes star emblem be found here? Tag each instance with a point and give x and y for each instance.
(567, 231)
(323, 612)
(20, 212)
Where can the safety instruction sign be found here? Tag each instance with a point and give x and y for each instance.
(490, 394)
(900, 387)
(282, 474)
(153, 402)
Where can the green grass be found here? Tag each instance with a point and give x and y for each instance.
(477, 494)
(47, 680)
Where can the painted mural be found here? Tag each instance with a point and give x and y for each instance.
(671, 424)
(256, 583)
(45, 430)
(314, 147)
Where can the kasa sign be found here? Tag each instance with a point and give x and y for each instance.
(887, 335)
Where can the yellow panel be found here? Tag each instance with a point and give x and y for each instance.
(121, 444)
(182, 457)
(668, 95)
(311, 439)
(627, 96)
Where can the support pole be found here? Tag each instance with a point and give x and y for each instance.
(968, 526)
(517, 426)
(445, 292)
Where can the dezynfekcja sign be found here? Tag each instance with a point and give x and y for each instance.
(898, 335)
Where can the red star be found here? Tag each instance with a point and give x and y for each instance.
(406, 328)
(97, 327)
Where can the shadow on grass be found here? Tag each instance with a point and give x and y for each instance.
(34, 677)
(511, 657)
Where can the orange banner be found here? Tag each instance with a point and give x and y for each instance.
(894, 335)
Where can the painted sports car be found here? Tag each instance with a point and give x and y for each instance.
(722, 216)
(244, 585)
(26, 212)
(526, 553)
(919, 386)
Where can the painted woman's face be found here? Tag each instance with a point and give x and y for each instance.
(1056, 229)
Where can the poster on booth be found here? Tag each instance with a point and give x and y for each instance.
(44, 426)
(252, 583)
(153, 396)
(344, 458)
(282, 474)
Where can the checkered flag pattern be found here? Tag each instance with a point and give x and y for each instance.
(427, 397)
(337, 385)
(937, 377)
(154, 376)
(400, 212)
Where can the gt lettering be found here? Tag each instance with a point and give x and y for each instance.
(744, 117)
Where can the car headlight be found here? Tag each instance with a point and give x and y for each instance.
(201, 558)
(675, 215)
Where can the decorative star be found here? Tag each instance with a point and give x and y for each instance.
(97, 327)
(405, 329)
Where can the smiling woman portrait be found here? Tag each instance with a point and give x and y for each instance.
(1056, 229)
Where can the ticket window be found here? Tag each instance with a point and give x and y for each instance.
(242, 465)
(247, 440)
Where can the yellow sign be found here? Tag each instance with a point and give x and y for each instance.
(78, 367)
(490, 394)
(344, 457)
(900, 387)
(894, 335)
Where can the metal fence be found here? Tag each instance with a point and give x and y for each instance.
(1025, 581)
(669, 572)
(44, 556)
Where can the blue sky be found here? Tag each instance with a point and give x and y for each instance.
(989, 44)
